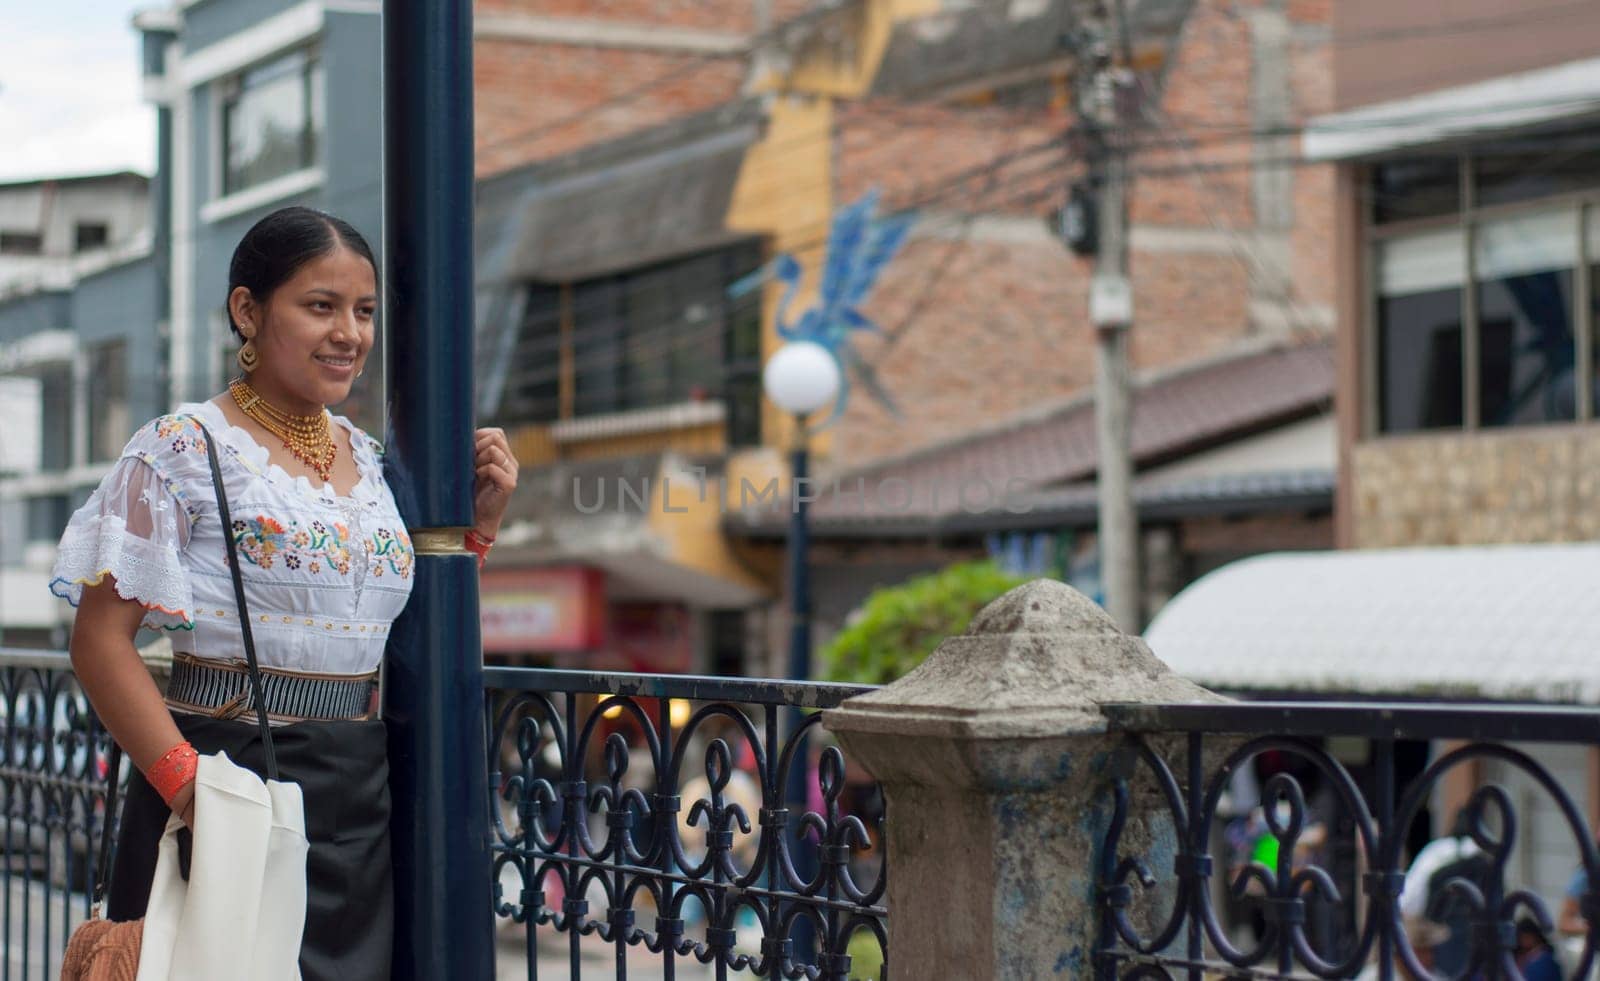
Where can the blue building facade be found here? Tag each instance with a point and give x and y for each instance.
(259, 104)
(262, 104)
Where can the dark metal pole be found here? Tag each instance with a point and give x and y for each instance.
(434, 681)
(799, 560)
(795, 792)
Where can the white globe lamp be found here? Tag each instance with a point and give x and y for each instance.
(801, 377)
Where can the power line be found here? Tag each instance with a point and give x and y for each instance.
(1242, 252)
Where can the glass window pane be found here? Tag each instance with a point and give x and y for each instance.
(1422, 187)
(109, 423)
(1418, 263)
(1532, 166)
(532, 392)
(647, 364)
(56, 399)
(1594, 321)
(1591, 231)
(597, 346)
(272, 123)
(1419, 361)
(1524, 268)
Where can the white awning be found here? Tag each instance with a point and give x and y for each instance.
(1508, 623)
(1528, 98)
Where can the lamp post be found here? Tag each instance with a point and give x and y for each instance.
(800, 378)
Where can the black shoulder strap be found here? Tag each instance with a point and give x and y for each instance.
(102, 873)
(114, 759)
(238, 594)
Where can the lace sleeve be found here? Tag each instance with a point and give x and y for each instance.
(133, 528)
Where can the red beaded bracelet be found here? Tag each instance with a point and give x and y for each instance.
(478, 545)
(174, 771)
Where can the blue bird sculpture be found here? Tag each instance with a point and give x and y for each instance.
(860, 245)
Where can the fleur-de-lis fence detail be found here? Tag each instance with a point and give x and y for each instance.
(1141, 939)
(684, 829)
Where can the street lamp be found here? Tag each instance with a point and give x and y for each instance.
(800, 378)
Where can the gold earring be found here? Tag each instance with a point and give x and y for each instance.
(249, 357)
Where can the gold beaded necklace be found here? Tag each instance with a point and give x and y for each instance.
(309, 438)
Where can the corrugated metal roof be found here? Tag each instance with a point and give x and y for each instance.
(1077, 506)
(1186, 410)
(1508, 622)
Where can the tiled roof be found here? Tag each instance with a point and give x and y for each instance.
(1174, 414)
(1157, 500)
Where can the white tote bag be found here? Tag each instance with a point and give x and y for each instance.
(243, 911)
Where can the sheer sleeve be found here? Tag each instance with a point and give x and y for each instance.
(134, 528)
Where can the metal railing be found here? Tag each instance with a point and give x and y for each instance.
(53, 760)
(651, 812)
(1320, 893)
(704, 843)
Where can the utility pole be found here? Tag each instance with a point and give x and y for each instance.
(1103, 92)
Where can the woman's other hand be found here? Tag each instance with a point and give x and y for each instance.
(496, 477)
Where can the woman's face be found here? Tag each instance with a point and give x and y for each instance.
(314, 332)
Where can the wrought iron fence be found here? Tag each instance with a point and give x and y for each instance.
(53, 775)
(643, 810)
(1334, 909)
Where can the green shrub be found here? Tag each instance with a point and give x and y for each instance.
(900, 625)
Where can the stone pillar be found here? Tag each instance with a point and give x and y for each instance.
(994, 761)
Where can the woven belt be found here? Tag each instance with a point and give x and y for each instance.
(221, 689)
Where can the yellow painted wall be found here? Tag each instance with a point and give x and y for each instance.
(841, 59)
(785, 193)
(691, 532)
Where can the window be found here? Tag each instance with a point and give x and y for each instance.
(55, 409)
(743, 370)
(1524, 268)
(649, 337)
(90, 235)
(1426, 187)
(1526, 168)
(1591, 233)
(47, 517)
(1477, 317)
(109, 422)
(21, 243)
(1419, 332)
(272, 120)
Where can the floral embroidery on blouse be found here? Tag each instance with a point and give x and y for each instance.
(183, 431)
(392, 549)
(263, 540)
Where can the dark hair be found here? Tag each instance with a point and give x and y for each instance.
(277, 246)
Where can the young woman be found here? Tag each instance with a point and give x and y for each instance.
(326, 564)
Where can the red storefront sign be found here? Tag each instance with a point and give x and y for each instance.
(560, 608)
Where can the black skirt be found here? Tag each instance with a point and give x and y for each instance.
(343, 771)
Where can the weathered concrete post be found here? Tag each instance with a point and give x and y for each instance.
(994, 756)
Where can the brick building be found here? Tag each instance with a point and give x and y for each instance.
(1468, 222)
(1467, 225)
(636, 158)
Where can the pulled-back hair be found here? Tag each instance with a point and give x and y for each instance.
(275, 248)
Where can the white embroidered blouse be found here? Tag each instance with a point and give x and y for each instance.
(324, 575)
